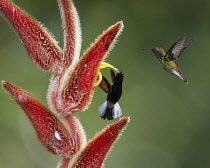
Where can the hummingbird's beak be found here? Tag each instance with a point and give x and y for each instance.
(146, 49)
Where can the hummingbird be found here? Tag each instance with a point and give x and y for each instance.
(168, 60)
(110, 109)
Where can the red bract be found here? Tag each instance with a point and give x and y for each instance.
(96, 150)
(71, 86)
(42, 48)
(58, 134)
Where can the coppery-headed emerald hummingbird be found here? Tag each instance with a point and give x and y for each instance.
(168, 60)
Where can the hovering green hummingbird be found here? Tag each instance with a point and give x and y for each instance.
(168, 60)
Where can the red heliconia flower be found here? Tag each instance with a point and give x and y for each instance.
(71, 86)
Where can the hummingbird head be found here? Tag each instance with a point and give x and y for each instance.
(159, 52)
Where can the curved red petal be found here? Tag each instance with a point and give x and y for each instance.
(97, 149)
(72, 90)
(60, 136)
(72, 32)
(42, 48)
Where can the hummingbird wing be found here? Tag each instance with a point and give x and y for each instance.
(174, 52)
(113, 76)
(187, 44)
(105, 85)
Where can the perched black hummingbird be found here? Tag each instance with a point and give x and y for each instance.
(168, 60)
(110, 109)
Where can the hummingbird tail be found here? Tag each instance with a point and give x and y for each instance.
(102, 109)
(110, 114)
(116, 111)
(184, 79)
(179, 73)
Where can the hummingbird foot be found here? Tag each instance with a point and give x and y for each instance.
(179, 74)
(102, 66)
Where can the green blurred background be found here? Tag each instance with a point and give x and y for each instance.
(170, 121)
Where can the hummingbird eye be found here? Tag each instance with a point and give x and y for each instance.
(154, 50)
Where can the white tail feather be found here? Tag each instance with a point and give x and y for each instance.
(116, 111)
(102, 109)
(176, 73)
